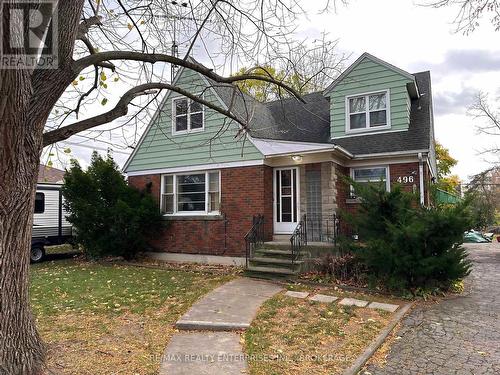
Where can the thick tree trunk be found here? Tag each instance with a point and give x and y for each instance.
(21, 350)
(26, 99)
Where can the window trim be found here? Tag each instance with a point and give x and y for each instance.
(188, 116)
(387, 176)
(367, 128)
(207, 193)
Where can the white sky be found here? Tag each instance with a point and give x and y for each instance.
(415, 38)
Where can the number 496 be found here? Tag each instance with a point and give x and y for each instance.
(406, 179)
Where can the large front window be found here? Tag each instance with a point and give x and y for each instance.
(377, 176)
(367, 111)
(193, 193)
(187, 115)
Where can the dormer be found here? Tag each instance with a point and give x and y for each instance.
(371, 96)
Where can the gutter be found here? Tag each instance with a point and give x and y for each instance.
(421, 177)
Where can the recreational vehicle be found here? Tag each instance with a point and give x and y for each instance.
(50, 226)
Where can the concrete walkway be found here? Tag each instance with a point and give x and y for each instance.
(230, 307)
(459, 336)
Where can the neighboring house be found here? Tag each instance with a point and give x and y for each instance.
(50, 175)
(375, 122)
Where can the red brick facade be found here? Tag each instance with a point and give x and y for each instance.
(398, 174)
(245, 192)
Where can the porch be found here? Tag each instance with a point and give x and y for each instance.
(305, 222)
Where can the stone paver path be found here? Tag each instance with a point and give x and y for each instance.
(204, 353)
(301, 295)
(323, 298)
(353, 302)
(231, 306)
(459, 336)
(383, 306)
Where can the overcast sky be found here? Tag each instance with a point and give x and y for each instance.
(416, 38)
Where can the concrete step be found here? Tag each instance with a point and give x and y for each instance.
(282, 237)
(283, 253)
(271, 270)
(283, 262)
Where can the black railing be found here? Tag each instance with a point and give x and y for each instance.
(299, 238)
(322, 228)
(255, 237)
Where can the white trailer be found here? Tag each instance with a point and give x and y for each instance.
(50, 226)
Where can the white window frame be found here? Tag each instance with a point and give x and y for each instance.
(188, 116)
(387, 176)
(367, 111)
(207, 193)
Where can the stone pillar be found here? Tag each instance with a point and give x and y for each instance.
(328, 198)
(302, 188)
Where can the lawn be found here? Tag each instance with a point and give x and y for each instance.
(296, 336)
(105, 319)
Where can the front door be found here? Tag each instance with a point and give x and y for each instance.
(286, 200)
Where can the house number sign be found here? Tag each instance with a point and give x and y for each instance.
(406, 179)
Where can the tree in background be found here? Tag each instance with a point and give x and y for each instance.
(484, 192)
(305, 70)
(446, 181)
(110, 217)
(488, 115)
(471, 12)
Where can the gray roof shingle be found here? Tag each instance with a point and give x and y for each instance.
(291, 120)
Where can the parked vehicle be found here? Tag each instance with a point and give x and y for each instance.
(473, 236)
(50, 226)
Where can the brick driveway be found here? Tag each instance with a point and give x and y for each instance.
(460, 335)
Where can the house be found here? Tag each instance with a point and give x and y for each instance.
(50, 175)
(373, 123)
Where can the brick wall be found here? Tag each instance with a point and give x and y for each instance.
(395, 171)
(245, 191)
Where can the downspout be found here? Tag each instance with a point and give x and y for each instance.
(421, 177)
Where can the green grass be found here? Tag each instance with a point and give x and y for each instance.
(294, 336)
(121, 316)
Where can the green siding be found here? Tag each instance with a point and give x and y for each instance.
(370, 76)
(161, 149)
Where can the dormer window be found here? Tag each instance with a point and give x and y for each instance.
(367, 112)
(187, 116)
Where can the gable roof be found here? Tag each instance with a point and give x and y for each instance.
(366, 55)
(291, 120)
(417, 137)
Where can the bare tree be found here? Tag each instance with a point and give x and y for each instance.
(488, 122)
(108, 51)
(470, 12)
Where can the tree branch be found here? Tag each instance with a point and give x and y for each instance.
(121, 109)
(152, 58)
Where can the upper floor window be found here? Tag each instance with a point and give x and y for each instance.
(187, 115)
(368, 111)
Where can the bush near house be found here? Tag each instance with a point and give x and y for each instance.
(406, 246)
(110, 217)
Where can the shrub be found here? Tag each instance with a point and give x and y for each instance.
(406, 246)
(345, 268)
(110, 217)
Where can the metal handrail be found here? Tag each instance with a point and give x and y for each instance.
(299, 238)
(255, 237)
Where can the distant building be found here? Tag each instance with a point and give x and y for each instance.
(51, 175)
